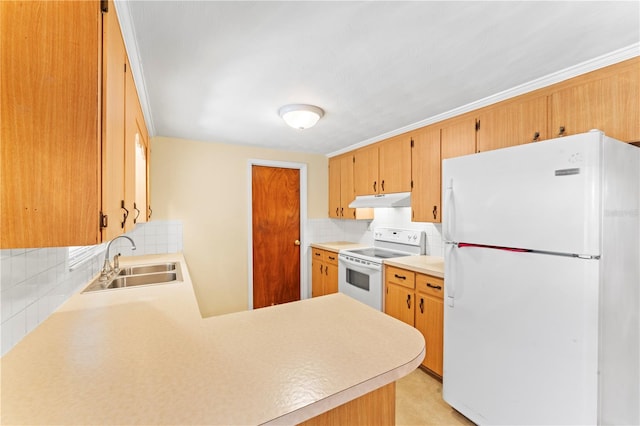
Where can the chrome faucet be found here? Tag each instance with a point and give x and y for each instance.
(108, 270)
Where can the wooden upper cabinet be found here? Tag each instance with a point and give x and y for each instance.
(131, 139)
(347, 191)
(426, 172)
(512, 123)
(458, 136)
(395, 164)
(366, 170)
(50, 150)
(334, 187)
(341, 189)
(609, 103)
(142, 200)
(114, 55)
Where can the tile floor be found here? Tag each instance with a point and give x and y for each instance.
(419, 402)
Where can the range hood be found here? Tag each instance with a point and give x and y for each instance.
(399, 199)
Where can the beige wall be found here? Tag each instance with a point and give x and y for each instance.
(206, 186)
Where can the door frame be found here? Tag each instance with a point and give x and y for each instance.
(303, 222)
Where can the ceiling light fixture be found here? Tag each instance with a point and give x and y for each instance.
(300, 116)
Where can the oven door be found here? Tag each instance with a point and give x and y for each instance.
(361, 282)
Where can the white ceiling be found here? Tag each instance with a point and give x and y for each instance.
(219, 71)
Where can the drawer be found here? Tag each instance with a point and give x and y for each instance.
(331, 257)
(317, 254)
(430, 285)
(400, 276)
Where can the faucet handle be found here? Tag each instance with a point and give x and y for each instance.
(116, 263)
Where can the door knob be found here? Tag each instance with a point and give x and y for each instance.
(296, 242)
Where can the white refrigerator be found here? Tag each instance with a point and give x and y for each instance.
(542, 283)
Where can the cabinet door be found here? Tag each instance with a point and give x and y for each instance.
(429, 321)
(458, 137)
(400, 303)
(366, 171)
(347, 191)
(334, 187)
(330, 277)
(610, 104)
(113, 127)
(131, 140)
(50, 124)
(317, 277)
(142, 171)
(395, 164)
(426, 170)
(514, 123)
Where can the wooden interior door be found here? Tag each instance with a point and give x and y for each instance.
(276, 235)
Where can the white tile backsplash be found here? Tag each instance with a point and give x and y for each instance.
(361, 231)
(35, 282)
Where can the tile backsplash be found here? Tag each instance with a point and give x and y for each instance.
(361, 231)
(35, 282)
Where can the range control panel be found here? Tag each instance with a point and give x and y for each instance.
(400, 236)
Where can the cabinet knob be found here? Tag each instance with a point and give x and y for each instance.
(296, 242)
(382, 185)
(375, 185)
(409, 301)
(337, 211)
(422, 305)
(536, 137)
(561, 131)
(435, 212)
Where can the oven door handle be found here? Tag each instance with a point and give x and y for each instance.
(358, 266)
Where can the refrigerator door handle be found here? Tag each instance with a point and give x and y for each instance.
(450, 281)
(448, 210)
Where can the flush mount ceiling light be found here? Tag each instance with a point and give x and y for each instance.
(300, 116)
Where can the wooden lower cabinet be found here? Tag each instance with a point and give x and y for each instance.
(400, 303)
(377, 407)
(417, 300)
(324, 272)
(429, 319)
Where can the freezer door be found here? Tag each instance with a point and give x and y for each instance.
(541, 196)
(520, 341)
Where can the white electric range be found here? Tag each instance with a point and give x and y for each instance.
(360, 270)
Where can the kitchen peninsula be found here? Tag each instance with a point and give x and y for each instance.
(145, 356)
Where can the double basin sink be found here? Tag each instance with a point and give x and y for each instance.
(139, 275)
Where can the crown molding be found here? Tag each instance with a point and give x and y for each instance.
(611, 58)
(129, 36)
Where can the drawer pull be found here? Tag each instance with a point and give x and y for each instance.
(317, 254)
(332, 258)
(437, 287)
(400, 277)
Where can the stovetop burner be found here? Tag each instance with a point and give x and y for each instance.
(378, 253)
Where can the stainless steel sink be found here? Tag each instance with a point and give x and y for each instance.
(134, 280)
(148, 269)
(139, 275)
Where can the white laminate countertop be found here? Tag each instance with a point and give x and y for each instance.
(145, 356)
(430, 265)
(336, 246)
